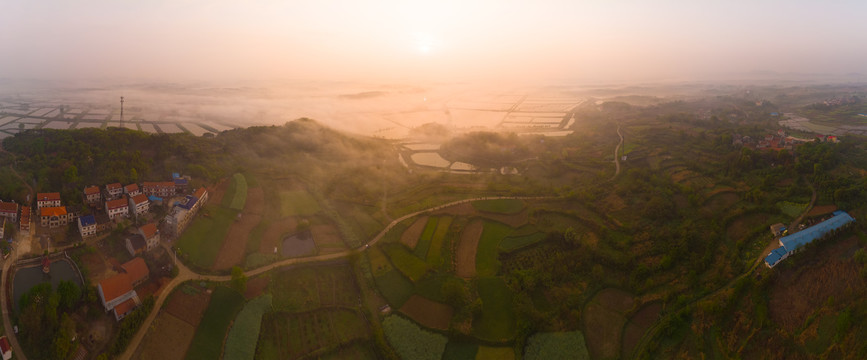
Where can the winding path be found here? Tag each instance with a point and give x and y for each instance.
(616, 152)
(185, 274)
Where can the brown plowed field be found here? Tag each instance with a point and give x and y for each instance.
(188, 308)
(822, 210)
(413, 233)
(256, 286)
(235, 244)
(168, 339)
(428, 312)
(274, 234)
(638, 325)
(466, 252)
(216, 192)
(467, 209)
(327, 239)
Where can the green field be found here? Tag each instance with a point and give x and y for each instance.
(562, 345)
(459, 350)
(244, 334)
(500, 206)
(412, 342)
(203, 238)
(297, 335)
(517, 240)
(497, 321)
(435, 254)
(495, 353)
(394, 287)
(487, 263)
(297, 203)
(379, 263)
(424, 241)
(208, 341)
(791, 209)
(312, 287)
(411, 266)
(238, 190)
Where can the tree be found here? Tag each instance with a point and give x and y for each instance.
(69, 293)
(239, 280)
(455, 293)
(62, 344)
(70, 175)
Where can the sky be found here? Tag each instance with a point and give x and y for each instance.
(432, 41)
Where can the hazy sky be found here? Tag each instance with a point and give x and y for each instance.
(434, 40)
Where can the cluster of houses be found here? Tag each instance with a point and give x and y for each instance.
(778, 141)
(117, 293)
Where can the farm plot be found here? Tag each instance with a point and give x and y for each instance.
(411, 266)
(235, 243)
(791, 209)
(169, 128)
(274, 234)
(236, 195)
(208, 341)
(168, 339)
(203, 239)
(497, 321)
(517, 241)
(293, 336)
(744, 225)
(822, 210)
(394, 287)
(424, 241)
(459, 350)
(495, 353)
(148, 128)
(487, 263)
(603, 322)
(413, 233)
(314, 287)
(59, 125)
(435, 254)
(719, 202)
(297, 203)
(244, 334)
(465, 266)
(188, 304)
(327, 238)
(500, 206)
(563, 345)
(412, 342)
(638, 325)
(427, 312)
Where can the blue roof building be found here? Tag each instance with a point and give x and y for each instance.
(791, 243)
(87, 220)
(188, 202)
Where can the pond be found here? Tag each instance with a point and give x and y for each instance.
(300, 244)
(27, 278)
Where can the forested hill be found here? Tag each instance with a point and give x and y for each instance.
(68, 160)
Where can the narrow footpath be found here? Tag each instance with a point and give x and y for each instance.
(616, 153)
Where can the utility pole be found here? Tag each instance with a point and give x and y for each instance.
(121, 111)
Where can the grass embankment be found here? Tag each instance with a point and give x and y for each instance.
(238, 190)
(487, 263)
(208, 342)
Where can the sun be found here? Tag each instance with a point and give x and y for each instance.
(424, 42)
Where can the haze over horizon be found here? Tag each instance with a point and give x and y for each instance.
(418, 41)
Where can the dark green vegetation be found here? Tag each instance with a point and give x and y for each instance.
(500, 206)
(47, 330)
(208, 341)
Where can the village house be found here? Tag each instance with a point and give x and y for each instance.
(181, 185)
(201, 194)
(151, 235)
(162, 189)
(87, 226)
(177, 220)
(131, 190)
(117, 209)
(92, 195)
(135, 244)
(9, 210)
(138, 204)
(54, 216)
(117, 293)
(5, 348)
(47, 200)
(2, 228)
(24, 224)
(113, 191)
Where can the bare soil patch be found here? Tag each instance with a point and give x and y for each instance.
(602, 328)
(413, 233)
(428, 312)
(719, 202)
(800, 290)
(151, 287)
(466, 251)
(327, 239)
(615, 299)
(638, 325)
(256, 286)
(822, 210)
(95, 264)
(742, 226)
(274, 234)
(168, 339)
(216, 192)
(188, 307)
(235, 243)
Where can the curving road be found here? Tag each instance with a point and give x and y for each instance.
(185, 274)
(616, 153)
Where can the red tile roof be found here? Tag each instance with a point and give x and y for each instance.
(47, 196)
(124, 307)
(148, 230)
(4, 344)
(136, 269)
(140, 198)
(91, 190)
(117, 203)
(113, 186)
(53, 211)
(131, 187)
(200, 192)
(115, 286)
(8, 207)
